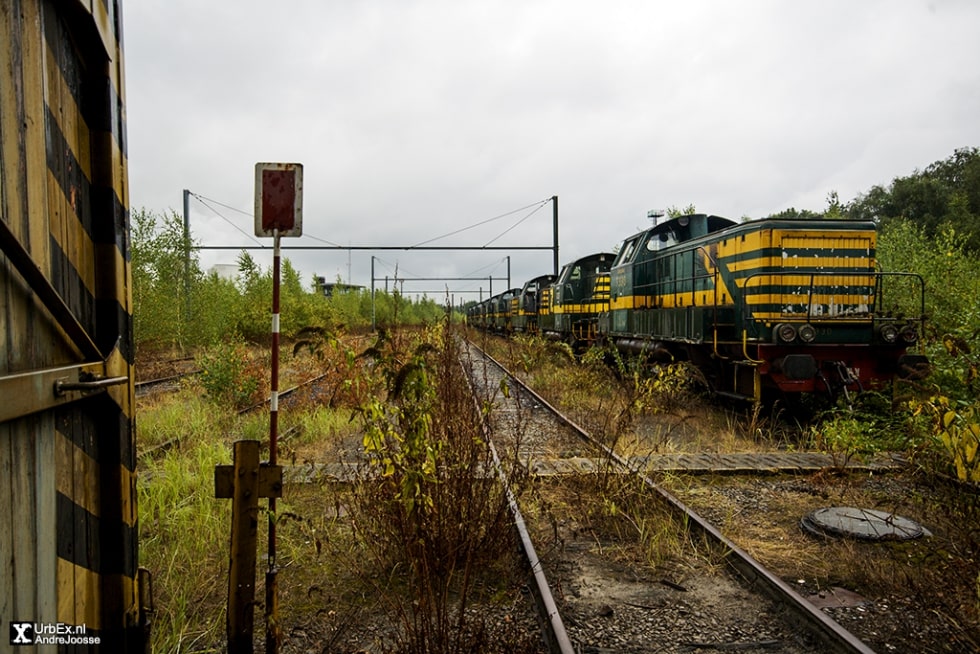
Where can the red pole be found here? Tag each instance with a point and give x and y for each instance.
(271, 591)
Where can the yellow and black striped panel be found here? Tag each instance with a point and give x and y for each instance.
(784, 273)
(601, 292)
(64, 187)
(89, 223)
(779, 273)
(86, 163)
(544, 307)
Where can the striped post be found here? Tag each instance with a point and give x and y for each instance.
(278, 213)
(271, 590)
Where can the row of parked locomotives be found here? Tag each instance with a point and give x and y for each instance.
(794, 305)
(566, 306)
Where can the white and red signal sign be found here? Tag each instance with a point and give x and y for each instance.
(278, 199)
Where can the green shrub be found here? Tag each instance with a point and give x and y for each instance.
(231, 374)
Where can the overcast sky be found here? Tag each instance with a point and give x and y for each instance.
(416, 118)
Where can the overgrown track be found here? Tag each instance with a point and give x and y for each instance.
(282, 394)
(163, 375)
(553, 628)
(795, 624)
(168, 384)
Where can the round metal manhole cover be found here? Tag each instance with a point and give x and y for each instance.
(864, 524)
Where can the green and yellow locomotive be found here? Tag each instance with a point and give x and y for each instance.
(570, 307)
(499, 311)
(524, 307)
(795, 305)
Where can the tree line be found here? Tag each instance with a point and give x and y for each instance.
(177, 306)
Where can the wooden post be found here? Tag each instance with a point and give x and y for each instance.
(244, 482)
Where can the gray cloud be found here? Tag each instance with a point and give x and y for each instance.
(416, 118)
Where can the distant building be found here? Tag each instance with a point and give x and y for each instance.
(328, 289)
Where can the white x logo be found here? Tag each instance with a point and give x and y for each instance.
(21, 637)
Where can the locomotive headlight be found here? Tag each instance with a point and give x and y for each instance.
(807, 333)
(888, 333)
(910, 334)
(786, 332)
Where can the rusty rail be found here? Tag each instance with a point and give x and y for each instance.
(553, 629)
(831, 634)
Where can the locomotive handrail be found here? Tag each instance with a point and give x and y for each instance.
(876, 292)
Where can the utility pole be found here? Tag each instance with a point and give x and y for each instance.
(554, 208)
(187, 254)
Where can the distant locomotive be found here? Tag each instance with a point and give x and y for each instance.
(571, 305)
(526, 305)
(793, 305)
(564, 307)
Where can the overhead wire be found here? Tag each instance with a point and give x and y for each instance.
(536, 209)
(203, 200)
(537, 206)
(493, 266)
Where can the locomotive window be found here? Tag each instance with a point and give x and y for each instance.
(700, 270)
(628, 249)
(660, 241)
(576, 273)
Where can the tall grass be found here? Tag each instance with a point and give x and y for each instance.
(163, 420)
(184, 535)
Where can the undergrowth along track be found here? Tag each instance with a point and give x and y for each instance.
(491, 379)
(553, 628)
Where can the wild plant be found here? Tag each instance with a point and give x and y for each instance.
(434, 518)
(232, 374)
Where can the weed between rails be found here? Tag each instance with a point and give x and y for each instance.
(435, 520)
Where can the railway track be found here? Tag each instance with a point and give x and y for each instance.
(165, 376)
(168, 384)
(598, 597)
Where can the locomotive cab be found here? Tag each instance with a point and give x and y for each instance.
(526, 304)
(576, 298)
